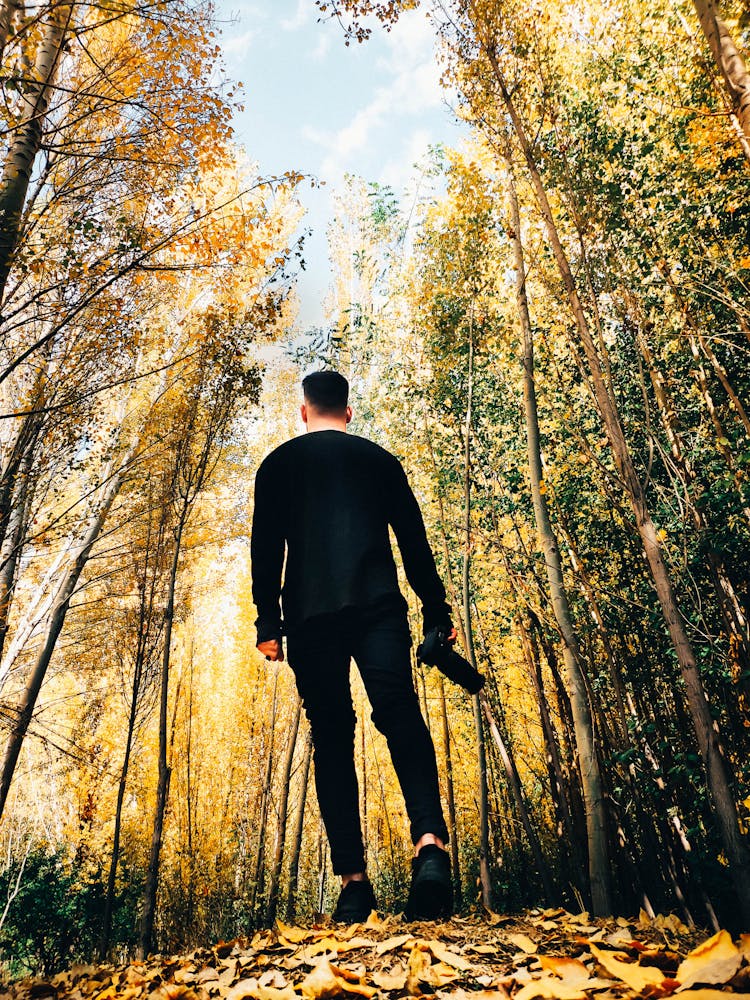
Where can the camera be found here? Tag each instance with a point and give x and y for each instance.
(436, 651)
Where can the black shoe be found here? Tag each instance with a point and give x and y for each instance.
(431, 893)
(356, 903)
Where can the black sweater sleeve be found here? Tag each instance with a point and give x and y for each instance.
(267, 554)
(406, 520)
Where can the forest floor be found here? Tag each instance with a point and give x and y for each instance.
(548, 954)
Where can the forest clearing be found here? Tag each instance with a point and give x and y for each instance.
(548, 326)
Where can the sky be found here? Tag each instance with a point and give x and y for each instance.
(314, 105)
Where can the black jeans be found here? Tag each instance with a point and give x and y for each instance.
(319, 653)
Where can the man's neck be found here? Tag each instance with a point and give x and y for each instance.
(324, 423)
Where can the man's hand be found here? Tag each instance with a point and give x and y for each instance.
(272, 650)
(452, 635)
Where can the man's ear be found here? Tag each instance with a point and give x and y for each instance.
(348, 414)
(303, 413)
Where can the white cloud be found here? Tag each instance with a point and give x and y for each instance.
(413, 90)
(322, 49)
(305, 12)
(237, 45)
(401, 169)
(412, 40)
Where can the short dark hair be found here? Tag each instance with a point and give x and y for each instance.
(326, 391)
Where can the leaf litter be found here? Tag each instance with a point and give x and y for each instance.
(549, 954)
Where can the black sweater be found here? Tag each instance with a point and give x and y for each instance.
(328, 497)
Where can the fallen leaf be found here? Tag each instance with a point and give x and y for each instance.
(419, 960)
(439, 975)
(570, 970)
(269, 993)
(207, 975)
(443, 954)
(549, 986)
(524, 942)
(245, 988)
(227, 977)
(175, 991)
(670, 922)
(392, 943)
(320, 982)
(320, 947)
(295, 935)
(713, 995)
(619, 937)
(274, 978)
(460, 994)
(326, 980)
(636, 976)
(393, 980)
(353, 943)
(714, 961)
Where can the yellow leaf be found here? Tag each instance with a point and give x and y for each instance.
(327, 980)
(392, 943)
(442, 954)
(714, 995)
(549, 986)
(353, 943)
(523, 942)
(714, 961)
(245, 988)
(573, 972)
(294, 934)
(636, 976)
(321, 982)
(439, 975)
(419, 960)
(390, 980)
(271, 993)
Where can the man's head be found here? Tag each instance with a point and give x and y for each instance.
(326, 400)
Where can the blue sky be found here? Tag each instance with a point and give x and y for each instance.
(314, 105)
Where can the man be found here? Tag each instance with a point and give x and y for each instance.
(326, 499)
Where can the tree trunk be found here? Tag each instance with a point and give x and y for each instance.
(110, 897)
(9, 9)
(706, 730)
(559, 775)
(450, 794)
(24, 710)
(27, 138)
(299, 827)
(516, 791)
(148, 913)
(728, 61)
(484, 821)
(591, 779)
(282, 812)
(735, 620)
(13, 541)
(265, 798)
